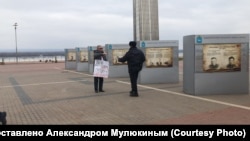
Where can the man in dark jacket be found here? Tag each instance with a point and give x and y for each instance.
(135, 58)
(98, 81)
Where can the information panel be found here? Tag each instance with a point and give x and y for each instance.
(221, 57)
(162, 62)
(159, 57)
(118, 53)
(71, 56)
(216, 64)
(83, 56)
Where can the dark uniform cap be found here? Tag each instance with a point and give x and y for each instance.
(132, 43)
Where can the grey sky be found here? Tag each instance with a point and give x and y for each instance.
(60, 24)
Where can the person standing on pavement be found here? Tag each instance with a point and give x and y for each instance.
(3, 118)
(135, 58)
(98, 81)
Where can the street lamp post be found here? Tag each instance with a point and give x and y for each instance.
(16, 42)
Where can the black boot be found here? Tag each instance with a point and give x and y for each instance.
(134, 94)
(3, 118)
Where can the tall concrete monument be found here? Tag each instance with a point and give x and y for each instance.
(146, 24)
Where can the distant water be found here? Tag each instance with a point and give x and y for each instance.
(181, 54)
(32, 59)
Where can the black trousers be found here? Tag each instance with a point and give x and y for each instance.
(133, 80)
(1, 115)
(98, 83)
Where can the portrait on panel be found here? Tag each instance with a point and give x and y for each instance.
(221, 57)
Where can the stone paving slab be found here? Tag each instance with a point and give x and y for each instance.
(47, 94)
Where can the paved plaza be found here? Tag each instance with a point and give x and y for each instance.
(47, 94)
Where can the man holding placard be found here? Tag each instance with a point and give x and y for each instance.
(99, 55)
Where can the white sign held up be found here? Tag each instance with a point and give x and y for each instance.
(101, 68)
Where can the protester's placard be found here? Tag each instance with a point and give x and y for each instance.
(101, 68)
(221, 57)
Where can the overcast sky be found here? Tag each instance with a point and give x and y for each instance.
(61, 24)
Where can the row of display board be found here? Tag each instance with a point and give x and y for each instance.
(161, 58)
(212, 64)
